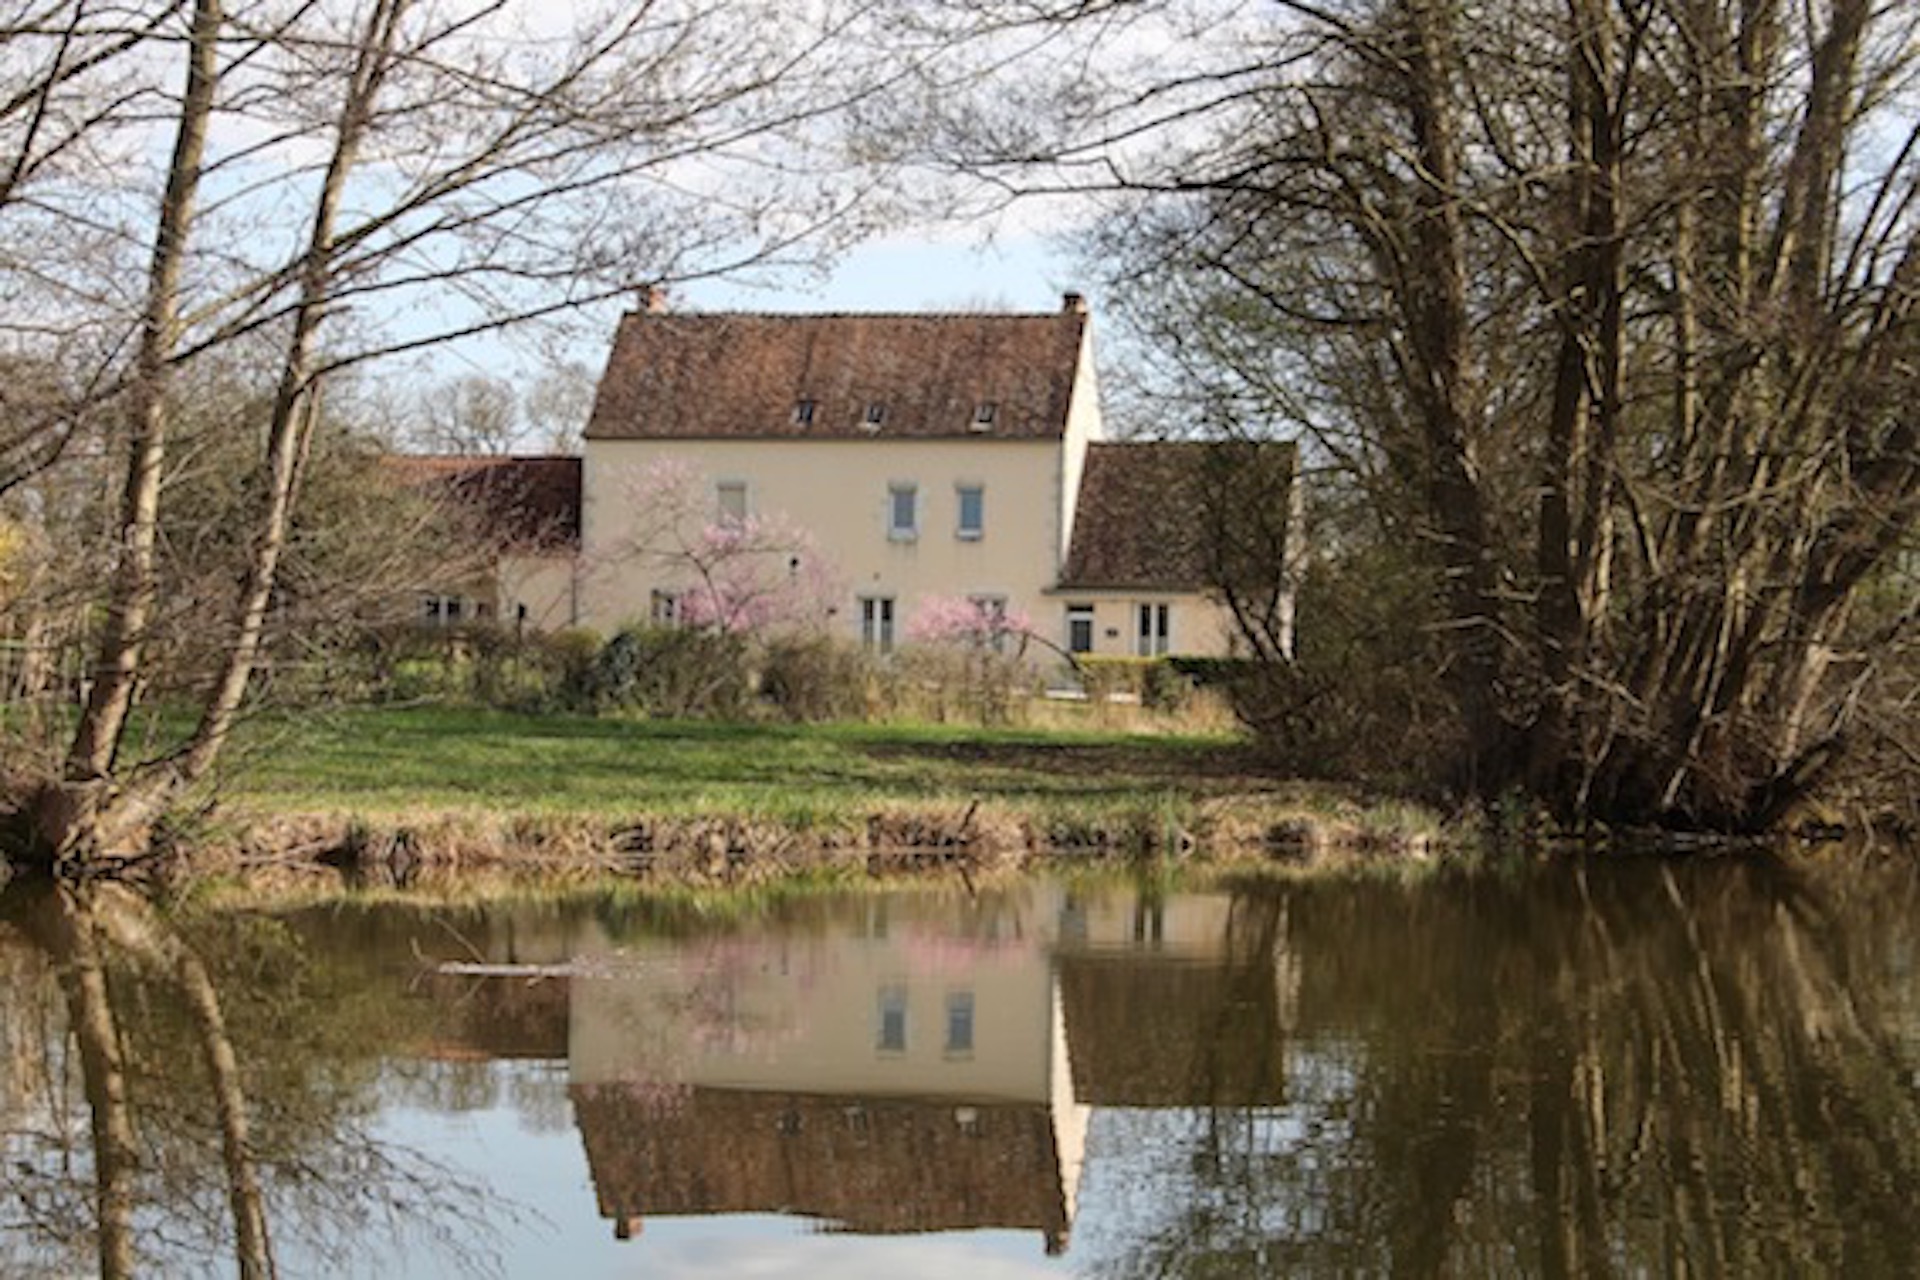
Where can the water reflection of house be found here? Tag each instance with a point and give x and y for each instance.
(902, 1068)
(914, 1062)
(1176, 1003)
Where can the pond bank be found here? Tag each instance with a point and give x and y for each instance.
(718, 850)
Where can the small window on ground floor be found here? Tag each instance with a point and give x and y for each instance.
(876, 623)
(1153, 636)
(442, 610)
(663, 609)
(1079, 628)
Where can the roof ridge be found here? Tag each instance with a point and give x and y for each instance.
(732, 313)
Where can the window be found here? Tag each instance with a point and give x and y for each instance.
(992, 612)
(876, 623)
(442, 611)
(875, 415)
(1153, 634)
(891, 1034)
(972, 525)
(903, 512)
(1079, 628)
(983, 415)
(803, 412)
(732, 500)
(959, 1022)
(663, 609)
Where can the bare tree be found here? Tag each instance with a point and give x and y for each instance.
(1608, 308)
(462, 168)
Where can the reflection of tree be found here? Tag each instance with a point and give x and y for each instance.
(201, 1107)
(1651, 1068)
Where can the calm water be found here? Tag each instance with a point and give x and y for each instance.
(1639, 1069)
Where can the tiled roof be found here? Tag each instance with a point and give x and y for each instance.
(530, 503)
(737, 376)
(1142, 518)
(874, 1165)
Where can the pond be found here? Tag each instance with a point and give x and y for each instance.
(1638, 1067)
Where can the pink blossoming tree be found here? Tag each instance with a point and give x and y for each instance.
(746, 574)
(971, 621)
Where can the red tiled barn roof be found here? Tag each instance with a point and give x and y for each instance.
(678, 376)
(1142, 518)
(526, 502)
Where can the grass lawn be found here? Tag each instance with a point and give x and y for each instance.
(385, 761)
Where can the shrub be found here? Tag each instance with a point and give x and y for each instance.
(672, 672)
(810, 678)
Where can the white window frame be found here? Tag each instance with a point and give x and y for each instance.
(896, 531)
(962, 1021)
(663, 608)
(1086, 613)
(978, 529)
(877, 619)
(438, 609)
(1153, 629)
(993, 606)
(891, 1029)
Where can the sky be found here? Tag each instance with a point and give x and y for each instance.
(1023, 272)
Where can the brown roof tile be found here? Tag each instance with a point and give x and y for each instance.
(871, 1165)
(1141, 519)
(526, 502)
(739, 376)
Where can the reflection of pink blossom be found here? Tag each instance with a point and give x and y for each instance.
(932, 953)
(979, 622)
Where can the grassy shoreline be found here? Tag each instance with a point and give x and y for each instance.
(392, 794)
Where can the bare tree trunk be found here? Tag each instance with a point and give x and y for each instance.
(131, 923)
(294, 409)
(1433, 293)
(75, 943)
(116, 671)
(78, 815)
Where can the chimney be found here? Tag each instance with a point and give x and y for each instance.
(1074, 304)
(653, 299)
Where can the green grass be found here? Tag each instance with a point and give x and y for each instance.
(384, 761)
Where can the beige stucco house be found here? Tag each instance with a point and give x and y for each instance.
(932, 458)
(890, 467)
(523, 513)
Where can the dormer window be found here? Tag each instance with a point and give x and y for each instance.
(984, 414)
(803, 412)
(876, 414)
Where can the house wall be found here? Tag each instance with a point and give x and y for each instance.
(546, 584)
(806, 1014)
(840, 490)
(1198, 626)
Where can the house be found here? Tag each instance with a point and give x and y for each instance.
(1160, 527)
(931, 458)
(525, 514)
